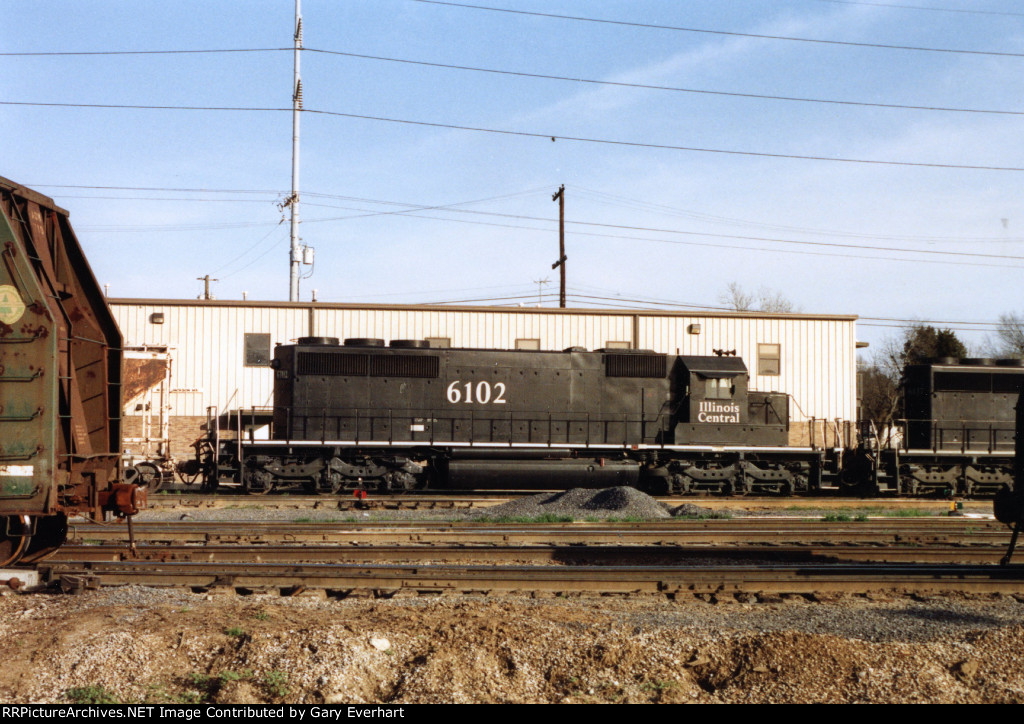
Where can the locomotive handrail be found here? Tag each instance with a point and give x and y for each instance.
(325, 423)
(964, 436)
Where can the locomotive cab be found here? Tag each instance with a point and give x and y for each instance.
(717, 408)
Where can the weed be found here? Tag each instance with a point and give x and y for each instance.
(262, 615)
(228, 676)
(909, 513)
(546, 518)
(91, 695)
(235, 631)
(658, 685)
(276, 683)
(837, 518)
(200, 680)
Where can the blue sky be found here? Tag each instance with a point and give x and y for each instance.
(197, 189)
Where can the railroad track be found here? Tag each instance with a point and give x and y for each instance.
(745, 558)
(711, 582)
(571, 555)
(465, 500)
(731, 532)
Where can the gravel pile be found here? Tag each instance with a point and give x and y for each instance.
(582, 504)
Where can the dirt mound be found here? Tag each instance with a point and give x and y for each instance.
(142, 646)
(582, 504)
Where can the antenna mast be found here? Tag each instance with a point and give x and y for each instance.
(295, 255)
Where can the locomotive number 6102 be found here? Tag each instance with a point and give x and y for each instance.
(482, 393)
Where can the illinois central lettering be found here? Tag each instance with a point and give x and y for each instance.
(709, 411)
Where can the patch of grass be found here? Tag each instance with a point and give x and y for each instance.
(709, 515)
(91, 695)
(546, 518)
(838, 518)
(200, 680)
(262, 615)
(235, 631)
(226, 676)
(909, 513)
(276, 683)
(658, 685)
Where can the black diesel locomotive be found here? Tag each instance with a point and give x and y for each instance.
(958, 435)
(365, 416)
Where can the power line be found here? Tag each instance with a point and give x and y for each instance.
(452, 207)
(411, 207)
(925, 8)
(531, 134)
(156, 188)
(627, 227)
(670, 147)
(544, 76)
(653, 26)
(646, 86)
(146, 52)
(628, 203)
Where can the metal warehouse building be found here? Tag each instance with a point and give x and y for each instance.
(188, 358)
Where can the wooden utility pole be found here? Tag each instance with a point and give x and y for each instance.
(206, 286)
(560, 264)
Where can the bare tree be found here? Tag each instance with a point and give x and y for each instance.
(764, 300)
(735, 298)
(1010, 335)
(772, 301)
(881, 380)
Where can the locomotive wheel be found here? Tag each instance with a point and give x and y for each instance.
(258, 482)
(149, 476)
(12, 547)
(49, 536)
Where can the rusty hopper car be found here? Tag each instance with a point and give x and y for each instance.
(390, 418)
(60, 368)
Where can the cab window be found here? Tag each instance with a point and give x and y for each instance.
(718, 388)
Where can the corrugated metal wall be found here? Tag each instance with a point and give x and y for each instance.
(207, 347)
(817, 365)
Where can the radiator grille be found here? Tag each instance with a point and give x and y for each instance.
(634, 365)
(327, 363)
(404, 365)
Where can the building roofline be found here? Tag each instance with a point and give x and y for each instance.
(574, 311)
